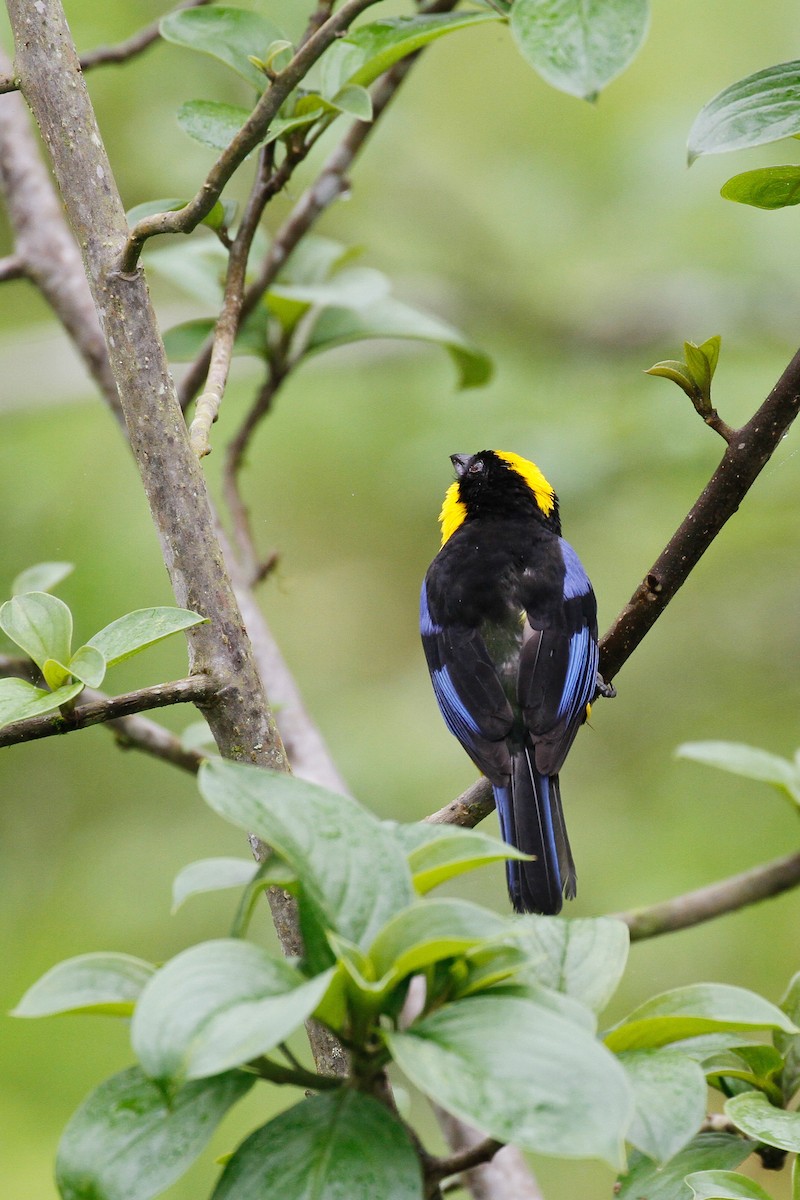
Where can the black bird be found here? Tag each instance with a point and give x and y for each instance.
(509, 627)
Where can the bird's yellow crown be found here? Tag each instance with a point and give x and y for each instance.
(454, 511)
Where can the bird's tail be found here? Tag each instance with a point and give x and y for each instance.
(531, 818)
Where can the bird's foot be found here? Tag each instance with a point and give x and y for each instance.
(601, 688)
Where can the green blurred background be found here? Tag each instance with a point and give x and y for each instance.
(570, 242)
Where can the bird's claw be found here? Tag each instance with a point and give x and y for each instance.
(601, 688)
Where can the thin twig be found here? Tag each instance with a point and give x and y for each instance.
(184, 220)
(193, 690)
(135, 44)
(139, 733)
(464, 1159)
(327, 187)
(728, 895)
(502, 1175)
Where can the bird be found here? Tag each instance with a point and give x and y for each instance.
(508, 621)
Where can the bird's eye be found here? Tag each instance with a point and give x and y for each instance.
(476, 467)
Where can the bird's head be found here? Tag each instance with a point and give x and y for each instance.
(497, 483)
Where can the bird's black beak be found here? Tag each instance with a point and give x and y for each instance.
(460, 462)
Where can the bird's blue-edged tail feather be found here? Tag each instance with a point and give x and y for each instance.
(531, 818)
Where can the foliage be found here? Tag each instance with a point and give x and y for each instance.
(41, 626)
(207, 1023)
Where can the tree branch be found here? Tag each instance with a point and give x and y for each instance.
(252, 132)
(196, 689)
(729, 895)
(134, 45)
(747, 453)
(11, 267)
(506, 1177)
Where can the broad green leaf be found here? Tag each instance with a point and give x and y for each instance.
(183, 342)
(502, 965)
(127, 1142)
(670, 1094)
(197, 266)
(216, 1006)
(40, 624)
(789, 1045)
(522, 1073)
(724, 1185)
(105, 983)
(583, 958)
(142, 628)
(355, 101)
(579, 46)
(753, 1065)
(747, 761)
(371, 49)
(391, 318)
(210, 122)
(42, 577)
(695, 1009)
(232, 35)
(280, 126)
(755, 1116)
(20, 699)
(671, 368)
(332, 843)
(702, 363)
(353, 287)
(211, 875)
(437, 853)
(761, 108)
(88, 665)
(766, 187)
(646, 1179)
(221, 215)
(329, 1147)
(432, 930)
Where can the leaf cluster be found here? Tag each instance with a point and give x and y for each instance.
(41, 626)
(501, 1027)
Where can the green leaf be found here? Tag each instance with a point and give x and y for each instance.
(197, 266)
(142, 628)
(522, 1073)
(698, 1008)
(391, 318)
(353, 100)
(211, 875)
(371, 49)
(42, 577)
(104, 983)
(724, 1185)
(437, 853)
(315, 260)
(220, 217)
(330, 841)
(279, 127)
(353, 287)
(747, 761)
(430, 931)
(646, 1180)
(761, 108)
(766, 187)
(216, 1006)
(755, 1116)
(127, 1142)
(232, 35)
(753, 1065)
(210, 122)
(20, 699)
(340, 1144)
(678, 372)
(40, 624)
(579, 46)
(670, 1094)
(183, 342)
(88, 665)
(583, 958)
(789, 1045)
(55, 674)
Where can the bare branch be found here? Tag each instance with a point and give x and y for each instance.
(463, 1160)
(248, 137)
(196, 689)
(132, 46)
(729, 895)
(468, 809)
(506, 1177)
(139, 733)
